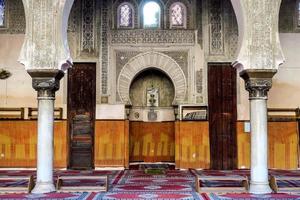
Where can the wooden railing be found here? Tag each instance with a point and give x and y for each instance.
(33, 113)
(283, 114)
(12, 113)
(19, 113)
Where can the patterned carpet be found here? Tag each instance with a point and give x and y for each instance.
(136, 184)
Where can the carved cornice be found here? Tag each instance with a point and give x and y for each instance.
(46, 83)
(258, 82)
(145, 36)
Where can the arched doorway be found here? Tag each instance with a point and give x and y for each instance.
(151, 129)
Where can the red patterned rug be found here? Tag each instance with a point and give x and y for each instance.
(247, 196)
(136, 184)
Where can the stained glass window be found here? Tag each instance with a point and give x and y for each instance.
(2, 12)
(125, 15)
(177, 13)
(151, 15)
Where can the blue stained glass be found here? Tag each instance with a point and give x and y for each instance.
(2, 12)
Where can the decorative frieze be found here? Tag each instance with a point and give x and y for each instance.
(87, 30)
(181, 57)
(199, 7)
(216, 28)
(104, 47)
(231, 30)
(144, 36)
(199, 81)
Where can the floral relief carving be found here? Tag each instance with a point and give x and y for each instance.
(141, 36)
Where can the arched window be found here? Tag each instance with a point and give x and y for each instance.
(125, 16)
(151, 15)
(2, 13)
(178, 15)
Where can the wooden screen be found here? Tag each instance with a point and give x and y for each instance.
(81, 114)
(152, 142)
(222, 115)
(282, 145)
(192, 144)
(111, 143)
(18, 144)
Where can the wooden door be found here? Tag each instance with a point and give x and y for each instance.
(152, 141)
(81, 115)
(222, 115)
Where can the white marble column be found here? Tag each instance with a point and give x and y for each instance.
(46, 84)
(44, 182)
(45, 55)
(258, 83)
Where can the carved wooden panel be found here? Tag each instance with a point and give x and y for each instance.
(152, 141)
(282, 145)
(192, 145)
(18, 144)
(111, 143)
(81, 114)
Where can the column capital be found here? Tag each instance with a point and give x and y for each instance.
(258, 82)
(46, 82)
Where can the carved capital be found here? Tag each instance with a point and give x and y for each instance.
(46, 83)
(258, 82)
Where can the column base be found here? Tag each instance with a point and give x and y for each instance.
(43, 187)
(260, 188)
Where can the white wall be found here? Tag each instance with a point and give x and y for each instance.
(17, 90)
(285, 92)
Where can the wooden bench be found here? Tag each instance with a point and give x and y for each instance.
(274, 184)
(17, 189)
(243, 188)
(92, 188)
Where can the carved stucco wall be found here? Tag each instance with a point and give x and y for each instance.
(181, 57)
(288, 17)
(92, 38)
(220, 31)
(15, 17)
(146, 61)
